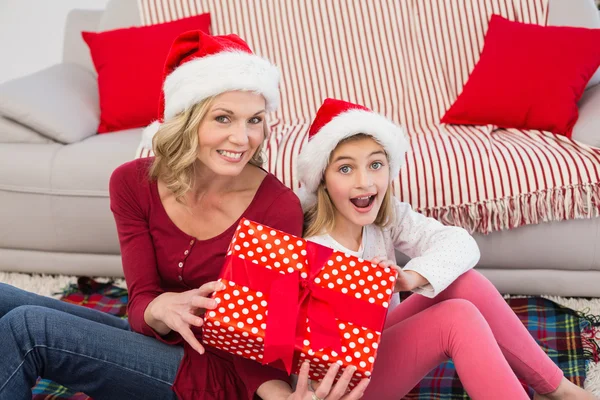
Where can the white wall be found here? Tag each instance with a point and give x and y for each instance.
(31, 33)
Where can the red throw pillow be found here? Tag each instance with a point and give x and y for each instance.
(130, 65)
(528, 77)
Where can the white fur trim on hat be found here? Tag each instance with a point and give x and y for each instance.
(197, 79)
(145, 147)
(307, 199)
(314, 157)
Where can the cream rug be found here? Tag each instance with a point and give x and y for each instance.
(49, 285)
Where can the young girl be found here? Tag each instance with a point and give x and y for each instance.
(345, 172)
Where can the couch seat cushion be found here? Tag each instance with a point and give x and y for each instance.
(55, 197)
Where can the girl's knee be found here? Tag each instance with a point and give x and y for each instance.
(459, 310)
(458, 306)
(475, 281)
(460, 321)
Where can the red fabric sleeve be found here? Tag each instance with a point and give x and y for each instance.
(284, 213)
(130, 205)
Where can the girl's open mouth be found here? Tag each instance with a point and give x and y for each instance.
(363, 202)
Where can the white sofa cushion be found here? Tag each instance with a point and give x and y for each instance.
(12, 132)
(58, 200)
(60, 102)
(565, 245)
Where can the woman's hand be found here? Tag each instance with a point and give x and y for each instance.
(326, 390)
(405, 280)
(179, 311)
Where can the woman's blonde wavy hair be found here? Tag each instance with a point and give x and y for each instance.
(320, 217)
(175, 147)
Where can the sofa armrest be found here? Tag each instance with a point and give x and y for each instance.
(587, 128)
(12, 132)
(60, 102)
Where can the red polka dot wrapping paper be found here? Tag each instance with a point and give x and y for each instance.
(239, 322)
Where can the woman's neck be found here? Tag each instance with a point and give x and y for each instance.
(206, 182)
(347, 234)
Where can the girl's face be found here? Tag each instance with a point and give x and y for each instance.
(357, 179)
(231, 132)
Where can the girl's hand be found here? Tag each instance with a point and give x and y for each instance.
(179, 311)
(325, 391)
(405, 280)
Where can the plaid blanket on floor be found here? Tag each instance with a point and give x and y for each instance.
(557, 329)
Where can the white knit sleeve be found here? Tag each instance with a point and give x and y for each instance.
(439, 253)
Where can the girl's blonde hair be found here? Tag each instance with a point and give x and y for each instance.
(320, 217)
(175, 147)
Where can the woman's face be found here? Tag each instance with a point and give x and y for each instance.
(357, 179)
(231, 132)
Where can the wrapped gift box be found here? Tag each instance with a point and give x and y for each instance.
(287, 300)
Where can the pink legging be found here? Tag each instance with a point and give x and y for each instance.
(473, 325)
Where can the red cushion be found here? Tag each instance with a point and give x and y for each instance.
(130, 65)
(529, 77)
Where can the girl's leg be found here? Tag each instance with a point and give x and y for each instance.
(12, 297)
(451, 329)
(522, 352)
(100, 360)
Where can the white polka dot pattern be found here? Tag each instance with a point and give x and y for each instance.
(238, 324)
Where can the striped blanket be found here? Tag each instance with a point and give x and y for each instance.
(557, 329)
(408, 59)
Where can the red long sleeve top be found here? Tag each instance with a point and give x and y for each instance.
(158, 257)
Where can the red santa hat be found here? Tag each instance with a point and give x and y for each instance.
(200, 65)
(337, 120)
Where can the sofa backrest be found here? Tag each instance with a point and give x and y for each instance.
(117, 14)
(120, 14)
(583, 13)
(344, 49)
(74, 49)
(125, 13)
(341, 49)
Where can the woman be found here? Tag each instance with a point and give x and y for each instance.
(175, 216)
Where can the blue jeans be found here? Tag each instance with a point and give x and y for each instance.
(83, 349)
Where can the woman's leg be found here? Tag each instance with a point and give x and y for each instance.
(522, 352)
(12, 297)
(451, 329)
(83, 355)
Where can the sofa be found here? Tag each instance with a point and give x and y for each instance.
(54, 206)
